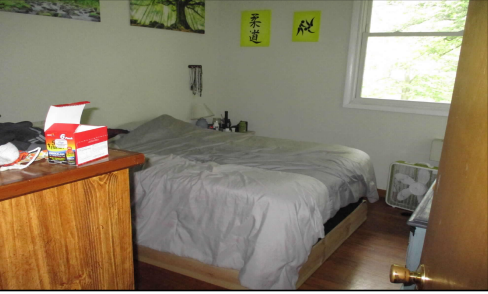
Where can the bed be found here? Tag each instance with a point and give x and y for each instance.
(242, 211)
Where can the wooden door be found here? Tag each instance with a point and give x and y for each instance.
(455, 248)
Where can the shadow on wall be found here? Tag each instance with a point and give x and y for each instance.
(86, 115)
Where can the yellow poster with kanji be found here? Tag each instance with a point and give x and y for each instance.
(255, 28)
(306, 26)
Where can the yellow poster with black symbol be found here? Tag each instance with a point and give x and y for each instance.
(255, 28)
(306, 26)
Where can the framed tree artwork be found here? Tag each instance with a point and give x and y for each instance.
(306, 26)
(175, 15)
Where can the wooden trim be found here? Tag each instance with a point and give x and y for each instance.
(223, 277)
(324, 249)
(229, 278)
(43, 175)
(382, 193)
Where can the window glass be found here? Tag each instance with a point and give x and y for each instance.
(418, 16)
(411, 68)
(403, 55)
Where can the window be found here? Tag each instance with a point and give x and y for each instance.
(403, 55)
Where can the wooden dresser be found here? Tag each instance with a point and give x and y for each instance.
(66, 227)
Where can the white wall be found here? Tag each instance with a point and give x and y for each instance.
(288, 90)
(295, 90)
(127, 73)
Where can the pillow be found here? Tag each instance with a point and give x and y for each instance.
(160, 128)
(132, 125)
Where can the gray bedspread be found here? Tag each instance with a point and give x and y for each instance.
(240, 201)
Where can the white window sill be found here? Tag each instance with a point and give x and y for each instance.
(427, 108)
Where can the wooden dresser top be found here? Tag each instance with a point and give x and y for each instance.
(42, 175)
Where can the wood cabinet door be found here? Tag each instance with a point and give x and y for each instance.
(73, 236)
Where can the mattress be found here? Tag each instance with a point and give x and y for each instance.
(239, 201)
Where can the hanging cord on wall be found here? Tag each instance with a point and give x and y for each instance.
(196, 75)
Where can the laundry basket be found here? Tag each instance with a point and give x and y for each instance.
(408, 183)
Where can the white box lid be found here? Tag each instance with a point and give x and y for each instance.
(65, 114)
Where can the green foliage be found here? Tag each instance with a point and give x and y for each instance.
(432, 86)
(440, 52)
(8, 5)
(165, 13)
(80, 3)
(454, 11)
(436, 11)
(5, 4)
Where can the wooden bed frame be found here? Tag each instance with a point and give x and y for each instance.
(229, 278)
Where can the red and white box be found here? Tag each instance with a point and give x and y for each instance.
(68, 141)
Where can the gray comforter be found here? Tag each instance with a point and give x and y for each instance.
(251, 203)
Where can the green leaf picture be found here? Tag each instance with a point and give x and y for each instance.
(176, 15)
(88, 10)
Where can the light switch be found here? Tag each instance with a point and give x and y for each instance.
(436, 149)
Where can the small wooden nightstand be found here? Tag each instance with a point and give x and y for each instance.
(65, 227)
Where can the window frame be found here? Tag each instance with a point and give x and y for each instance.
(361, 19)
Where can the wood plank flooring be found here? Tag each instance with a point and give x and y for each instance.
(361, 263)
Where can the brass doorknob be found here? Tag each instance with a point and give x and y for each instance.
(400, 274)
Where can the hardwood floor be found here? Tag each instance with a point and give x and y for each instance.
(361, 263)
